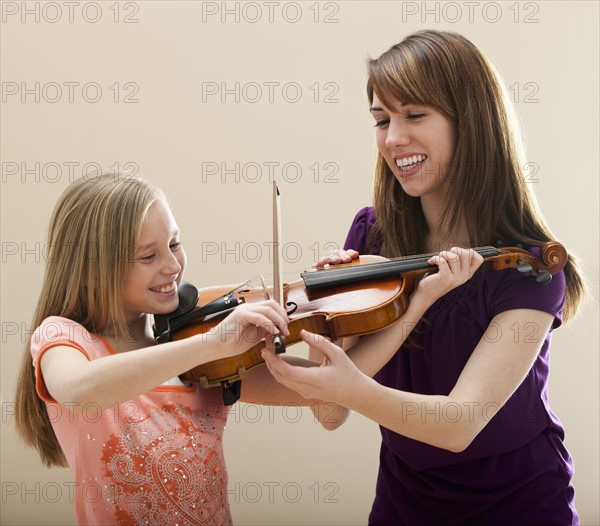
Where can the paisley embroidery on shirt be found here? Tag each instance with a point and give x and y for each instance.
(168, 469)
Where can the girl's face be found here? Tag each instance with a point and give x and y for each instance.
(157, 267)
(417, 143)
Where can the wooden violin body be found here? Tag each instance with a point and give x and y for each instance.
(349, 310)
(344, 300)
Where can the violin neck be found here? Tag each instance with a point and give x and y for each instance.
(384, 269)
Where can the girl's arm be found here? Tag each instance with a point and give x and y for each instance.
(491, 375)
(71, 378)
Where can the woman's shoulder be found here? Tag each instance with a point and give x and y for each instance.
(359, 229)
(509, 289)
(365, 215)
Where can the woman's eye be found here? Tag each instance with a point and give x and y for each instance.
(415, 116)
(147, 258)
(175, 246)
(382, 123)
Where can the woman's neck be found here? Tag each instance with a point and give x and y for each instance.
(439, 243)
(439, 238)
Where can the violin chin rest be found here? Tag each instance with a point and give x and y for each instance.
(188, 297)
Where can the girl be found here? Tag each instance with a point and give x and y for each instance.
(468, 436)
(96, 394)
(144, 447)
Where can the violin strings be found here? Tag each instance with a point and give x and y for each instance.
(403, 259)
(407, 261)
(382, 269)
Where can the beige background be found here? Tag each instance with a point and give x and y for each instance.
(155, 62)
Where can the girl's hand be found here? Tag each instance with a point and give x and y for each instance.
(248, 324)
(336, 380)
(455, 267)
(337, 257)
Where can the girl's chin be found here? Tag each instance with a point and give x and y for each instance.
(163, 305)
(165, 309)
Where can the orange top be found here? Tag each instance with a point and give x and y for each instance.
(155, 459)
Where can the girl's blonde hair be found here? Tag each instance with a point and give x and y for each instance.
(485, 183)
(92, 238)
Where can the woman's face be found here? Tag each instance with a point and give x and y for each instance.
(157, 267)
(418, 144)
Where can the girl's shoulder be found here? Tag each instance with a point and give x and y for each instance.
(57, 330)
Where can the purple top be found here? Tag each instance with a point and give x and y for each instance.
(517, 470)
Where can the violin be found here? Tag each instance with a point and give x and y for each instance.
(339, 301)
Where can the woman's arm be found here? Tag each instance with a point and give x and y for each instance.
(71, 378)
(261, 388)
(372, 352)
(455, 267)
(491, 375)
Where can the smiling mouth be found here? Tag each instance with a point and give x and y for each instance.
(164, 288)
(408, 163)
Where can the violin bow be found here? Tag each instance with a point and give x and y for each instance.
(278, 341)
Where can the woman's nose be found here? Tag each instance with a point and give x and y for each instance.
(397, 134)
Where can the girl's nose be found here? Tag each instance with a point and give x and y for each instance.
(172, 266)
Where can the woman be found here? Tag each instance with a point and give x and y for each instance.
(468, 434)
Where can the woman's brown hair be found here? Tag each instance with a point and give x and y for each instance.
(485, 183)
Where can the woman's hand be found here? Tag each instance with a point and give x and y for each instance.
(336, 380)
(455, 267)
(338, 377)
(337, 257)
(248, 324)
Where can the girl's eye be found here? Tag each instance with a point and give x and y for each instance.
(415, 116)
(382, 123)
(173, 246)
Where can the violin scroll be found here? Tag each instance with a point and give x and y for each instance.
(554, 258)
(554, 255)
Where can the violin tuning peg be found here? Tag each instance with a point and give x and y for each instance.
(525, 269)
(543, 277)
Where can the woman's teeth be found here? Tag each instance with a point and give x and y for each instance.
(410, 161)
